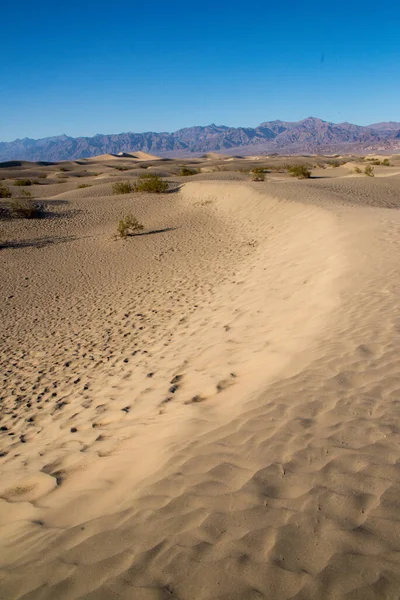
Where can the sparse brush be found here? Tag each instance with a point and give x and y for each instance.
(60, 181)
(376, 162)
(129, 225)
(385, 162)
(258, 170)
(22, 182)
(357, 170)
(257, 176)
(83, 185)
(26, 208)
(152, 183)
(186, 172)
(369, 171)
(299, 171)
(123, 187)
(64, 169)
(5, 192)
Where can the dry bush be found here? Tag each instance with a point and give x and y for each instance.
(258, 175)
(186, 171)
(123, 187)
(357, 170)
(22, 182)
(5, 192)
(149, 182)
(83, 185)
(369, 171)
(129, 225)
(385, 162)
(299, 171)
(26, 208)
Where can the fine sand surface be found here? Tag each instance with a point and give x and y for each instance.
(209, 410)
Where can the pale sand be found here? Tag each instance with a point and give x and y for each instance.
(210, 411)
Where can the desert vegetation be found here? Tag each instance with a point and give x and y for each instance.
(299, 171)
(257, 175)
(5, 192)
(83, 185)
(369, 171)
(357, 170)
(123, 187)
(23, 182)
(148, 182)
(186, 171)
(128, 226)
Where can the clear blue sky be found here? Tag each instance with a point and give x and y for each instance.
(87, 67)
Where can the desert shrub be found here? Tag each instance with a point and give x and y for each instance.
(83, 185)
(149, 182)
(369, 171)
(4, 192)
(60, 181)
(357, 170)
(22, 182)
(26, 208)
(123, 187)
(375, 161)
(299, 171)
(129, 225)
(385, 162)
(321, 165)
(42, 175)
(335, 164)
(258, 170)
(185, 172)
(122, 168)
(257, 176)
(64, 169)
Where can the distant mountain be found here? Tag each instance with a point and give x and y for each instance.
(309, 136)
(386, 126)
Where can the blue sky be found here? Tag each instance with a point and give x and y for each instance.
(87, 67)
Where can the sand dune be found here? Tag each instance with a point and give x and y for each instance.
(209, 410)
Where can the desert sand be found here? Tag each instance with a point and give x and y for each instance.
(208, 410)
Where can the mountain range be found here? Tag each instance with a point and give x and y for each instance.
(310, 136)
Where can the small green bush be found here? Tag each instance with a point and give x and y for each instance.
(5, 192)
(185, 172)
(129, 225)
(369, 171)
(22, 182)
(299, 171)
(385, 162)
(123, 187)
(83, 185)
(148, 182)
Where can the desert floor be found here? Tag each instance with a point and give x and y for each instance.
(209, 410)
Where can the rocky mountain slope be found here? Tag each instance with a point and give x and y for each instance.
(310, 135)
